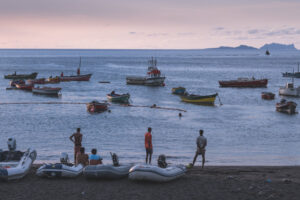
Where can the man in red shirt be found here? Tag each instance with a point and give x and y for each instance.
(148, 145)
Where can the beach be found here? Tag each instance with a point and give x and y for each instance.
(214, 182)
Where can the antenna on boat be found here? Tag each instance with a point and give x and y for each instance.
(79, 61)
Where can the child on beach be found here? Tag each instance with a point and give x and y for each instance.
(94, 158)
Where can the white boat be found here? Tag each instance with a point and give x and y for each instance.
(59, 170)
(155, 173)
(290, 90)
(63, 169)
(153, 78)
(107, 171)
(46, 90)
(15, 164)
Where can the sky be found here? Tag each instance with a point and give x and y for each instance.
(147, 24)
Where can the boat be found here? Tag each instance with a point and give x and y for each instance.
(155, 173)
(267, 52)
(120, 98)
(179, 90)
(35, 81)
(290, 90)
(21, 76)
(245, 82)
(267, 95)
(15, 164)
(78, 77)
(24, 86)
(51, 80)
(108, 171)
(96, 107)
(46, 90)
(13, 83)
(293, 74)
(63, 169)
(153, 78)
(199, 99)
(288, 107)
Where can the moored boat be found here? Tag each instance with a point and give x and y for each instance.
(245, 82)
(15, 164)
(200, 99)
(179, 90)
(96, 107)
(288, 107)
(85, 77)
(46, 91)
(293, 74)
(21, 76)
(120, 98)
(35, 81)
(24, 86)
(153, 78)
(289, 90)
(13, 83)
(51, 80)
(155, 173)
(267, 95)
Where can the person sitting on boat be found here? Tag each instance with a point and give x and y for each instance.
(78, 71)
(82, 157)
(112, 93)
(201, 144)
(94, 158)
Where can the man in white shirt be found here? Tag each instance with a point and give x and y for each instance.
(201, 144)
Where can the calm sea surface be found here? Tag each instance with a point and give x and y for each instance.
(245, 130)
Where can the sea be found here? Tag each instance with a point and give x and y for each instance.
(243, 129)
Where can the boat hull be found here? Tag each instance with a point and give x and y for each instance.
(96, 107)
(286, 107)
(202, 100)
(267, 95)
(244, 84)
(107, 171)
(46, 91)
(24, 87)
(291, 75)
(179, 90)
(59, 170)
(123, 98)
(21, 76)
(85, 77)
(294, 92)
(148, 81)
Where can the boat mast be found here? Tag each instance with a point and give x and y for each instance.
(79, 62)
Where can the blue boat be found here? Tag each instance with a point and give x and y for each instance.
(178, 90)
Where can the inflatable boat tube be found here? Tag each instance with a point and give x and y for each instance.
(107, 171)
(59, 170)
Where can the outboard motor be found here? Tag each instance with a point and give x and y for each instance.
(115, 159)
(11, 143)
(64, 158)
(161, 161)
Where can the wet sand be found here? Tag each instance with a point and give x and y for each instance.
(214, 182)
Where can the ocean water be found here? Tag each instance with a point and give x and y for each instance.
(245, 130)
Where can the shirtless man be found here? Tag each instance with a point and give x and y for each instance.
(76, 138)
(201, 144)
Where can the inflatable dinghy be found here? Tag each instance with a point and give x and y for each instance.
(155, 173)
(112, 171)
(63, 169)
(15, 164)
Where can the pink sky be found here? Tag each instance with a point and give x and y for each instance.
(156, 24)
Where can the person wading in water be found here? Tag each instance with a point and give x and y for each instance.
(148, 145)
(77, 142)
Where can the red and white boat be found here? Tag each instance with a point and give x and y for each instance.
(24, 86)
(267, 95)
(288, 107)
(96, 106)
(78, 77)
(46, 90)
(245, 82)
(36, 81)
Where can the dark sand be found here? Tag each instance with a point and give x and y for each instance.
(211, 183)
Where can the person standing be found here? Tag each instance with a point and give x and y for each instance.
(201, 144)
(76, 138)
(148, 145)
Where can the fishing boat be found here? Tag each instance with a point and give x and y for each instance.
(288, 107)
(46, 91)
(108, 171)
(119, 98)
(155, 173)
(15, 164)
(267, 95)
(13, 83)
(35, 81)
(153, 78)
(245, 82)
(24, 86)
(290, 90)
(78, 77)
(198, 99)
(62, 169)
(179, 90)
(51, 80)
(293, 74)
(21, 76)
(96, 107)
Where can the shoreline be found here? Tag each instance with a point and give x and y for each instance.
(214, 182)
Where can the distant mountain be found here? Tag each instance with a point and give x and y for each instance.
(241, 47)
(278, 47)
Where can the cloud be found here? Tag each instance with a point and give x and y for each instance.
(132, 33)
